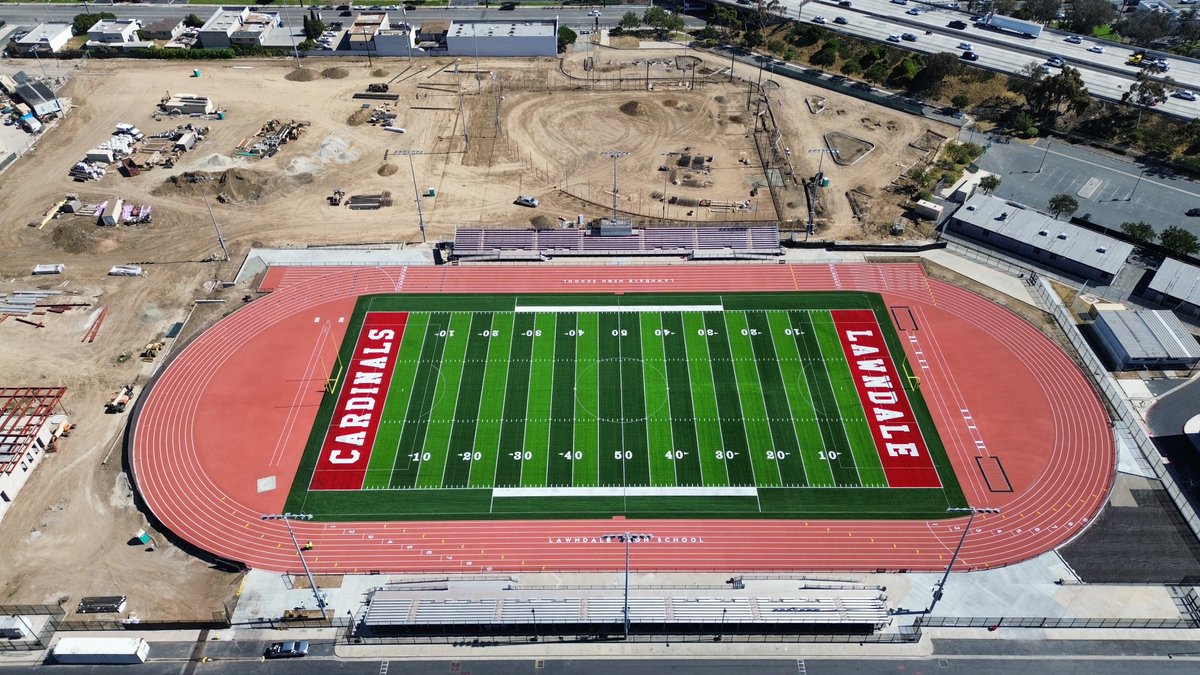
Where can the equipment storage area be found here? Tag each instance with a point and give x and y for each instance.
(92, 650)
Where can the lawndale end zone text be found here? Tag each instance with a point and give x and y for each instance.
(355, 422)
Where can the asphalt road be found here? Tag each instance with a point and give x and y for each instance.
(1168, 415)
(1111, 190)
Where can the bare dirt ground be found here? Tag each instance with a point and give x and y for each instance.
(530, 130)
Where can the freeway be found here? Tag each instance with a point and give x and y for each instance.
(1105, 75)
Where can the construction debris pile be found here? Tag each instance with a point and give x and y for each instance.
(193, 105)
(129, 214)
(133, 152)
(34, 303)
(269, 138)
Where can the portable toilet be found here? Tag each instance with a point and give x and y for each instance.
(196, 72)
(221, 115)
(431, 191)
(824, 182)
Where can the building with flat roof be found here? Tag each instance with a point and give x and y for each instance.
(40, 99)
(163, 29)
(1146, 339)
(114, 32)
(237, 27)
(534, 37)
(361, 34)
(1176, 284)
(46, 37)
(1036, 236)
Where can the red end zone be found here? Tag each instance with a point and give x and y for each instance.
(898, 440)
(355, 421)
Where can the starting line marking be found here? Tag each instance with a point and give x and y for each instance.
(616, 491)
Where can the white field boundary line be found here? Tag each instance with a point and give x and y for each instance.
(619, 308)
(620, 491)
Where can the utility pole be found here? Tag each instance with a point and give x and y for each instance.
(220, 239)
(614, 155)
(416, 190)
(287, 519)
(626, 538)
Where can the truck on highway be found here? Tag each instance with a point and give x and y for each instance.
(1001, 22)
(93, 650)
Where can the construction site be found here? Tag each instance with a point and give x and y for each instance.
(292, 158)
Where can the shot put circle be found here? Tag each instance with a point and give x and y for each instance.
(591, 371)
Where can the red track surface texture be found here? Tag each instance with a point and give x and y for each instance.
(237, 405)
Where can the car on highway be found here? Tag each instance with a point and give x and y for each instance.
(594, 12)
(1185, 95)
(914, 12)
(958, 25)
(1096, 49)
(526, 200)
(840, 20)
(287, 650)
(965, 46)
(1187, 2)
(969, 56)
(893, 38)
(1194, 213)
(1056, 61)
(900, 2)
(508, 7)
(1074, 39)
(818, 19)
(908, 37)
(845, 3)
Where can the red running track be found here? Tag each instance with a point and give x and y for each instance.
(233, 411)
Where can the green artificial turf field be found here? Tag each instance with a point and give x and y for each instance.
(570, 406)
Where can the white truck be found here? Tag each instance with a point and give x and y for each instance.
(103, 650)
(1001, 22)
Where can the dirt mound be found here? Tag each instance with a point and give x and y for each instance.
(236, 185)
(75, 236)
(388, 170)
(302, 75)
(358, 118)
(670, 103)
(632, 108)
(335, 73)
(379, 72)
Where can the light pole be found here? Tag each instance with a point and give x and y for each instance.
(416, 190)
(1044, 156)
(287, 519)
(937, 591)
(220, 239)
(1135, 185)
(627, 538)
(822, 152)
(614, 155)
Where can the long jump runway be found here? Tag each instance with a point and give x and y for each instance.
(217, 439)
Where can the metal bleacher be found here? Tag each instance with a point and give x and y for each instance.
(475, 244)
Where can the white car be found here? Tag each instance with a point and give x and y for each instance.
(1056, 61)
(818, 19)
(893, 38)
(965, 46)
(1097, 49)
(1185, 95)
(1074, 39)
(594, 12)
(914, 12)
(525, 200)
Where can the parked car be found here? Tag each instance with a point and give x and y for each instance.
(525, 200)
(287, 650)
(1185, 95)
(893, 38)
(969, 56)
(818, 19)
(908, 37)
(1096, 49)
(840, 20)
(1074, 39)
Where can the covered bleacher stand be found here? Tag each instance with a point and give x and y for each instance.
(482, 610)
(696, 243)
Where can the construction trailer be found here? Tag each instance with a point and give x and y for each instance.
(187, 104)
(101, 650)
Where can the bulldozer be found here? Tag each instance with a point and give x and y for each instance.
(336, 198)
(151, 351)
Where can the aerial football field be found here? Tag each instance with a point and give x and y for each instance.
(742, 405)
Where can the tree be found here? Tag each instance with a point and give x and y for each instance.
(566, 37)
(193, 21)
(1063, 203)
(1005, 7)
(989, 183)
(960, 101)
(1179, 241)
(630, 21)
(1087, 14)
(1146, 92)
(82, 22)
(1139, 232)
(655, 17)
(826, 56)
(1050, 94)
(937, 68)
(752, 39)
(1021, 122)
(1042, 10)
(313, 27)
(1144, 28)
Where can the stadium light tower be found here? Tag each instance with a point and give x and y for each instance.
(627, 538)
(614, 155)
(974, 511)
(416, 190)
(287, 519)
